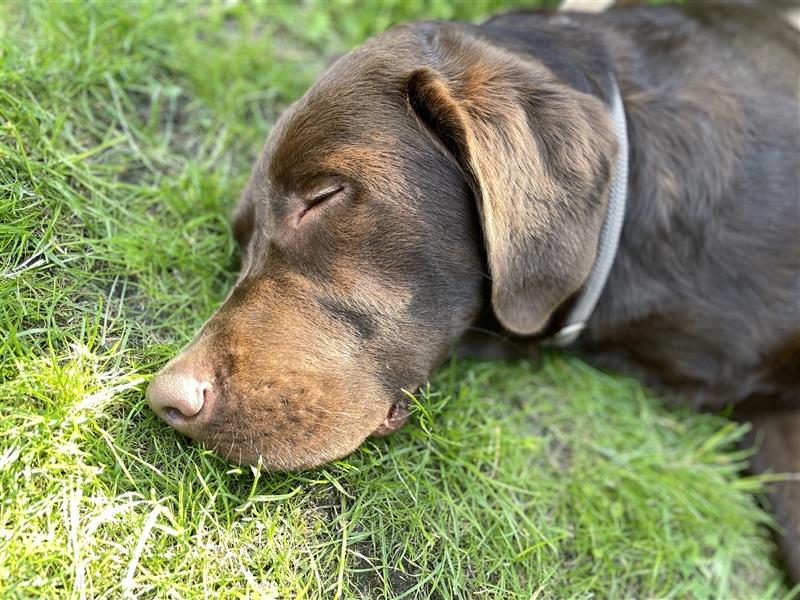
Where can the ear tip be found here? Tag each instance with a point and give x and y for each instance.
(520, 326)
(520, 314)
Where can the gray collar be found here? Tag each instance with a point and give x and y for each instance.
(587, 298)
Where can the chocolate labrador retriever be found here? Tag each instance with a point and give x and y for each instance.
(445, 174)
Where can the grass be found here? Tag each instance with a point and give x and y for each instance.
(126, 134)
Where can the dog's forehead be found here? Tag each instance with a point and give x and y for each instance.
(335, 115)
(359, 99)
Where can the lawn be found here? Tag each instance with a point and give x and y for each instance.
(126, 134)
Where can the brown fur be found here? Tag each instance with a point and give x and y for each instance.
(469, 169)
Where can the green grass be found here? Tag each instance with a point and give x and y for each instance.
(126, 134)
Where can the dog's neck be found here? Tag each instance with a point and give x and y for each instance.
(576, 320)
(673, 197)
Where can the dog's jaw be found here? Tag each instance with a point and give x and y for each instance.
(398, 415)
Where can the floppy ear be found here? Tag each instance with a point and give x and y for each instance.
(243, 222)
(538, 156)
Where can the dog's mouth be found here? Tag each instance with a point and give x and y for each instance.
(398, 415)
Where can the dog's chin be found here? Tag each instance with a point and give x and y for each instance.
(242, 455)
(398, 415)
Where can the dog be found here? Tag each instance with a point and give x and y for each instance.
(448, 178)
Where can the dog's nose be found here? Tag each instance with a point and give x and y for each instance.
(178, 397)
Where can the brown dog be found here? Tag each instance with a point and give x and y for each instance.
(443, 174)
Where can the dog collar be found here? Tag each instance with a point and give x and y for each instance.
(589, 294)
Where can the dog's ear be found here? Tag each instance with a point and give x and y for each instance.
(538, 156)
(243, 219)
(243, 222)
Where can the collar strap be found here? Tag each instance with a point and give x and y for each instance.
(586, 301)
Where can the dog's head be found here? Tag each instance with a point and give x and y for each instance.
(425, 174)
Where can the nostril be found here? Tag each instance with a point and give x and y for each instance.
(205, 392)
(172, 414)
(176, 398)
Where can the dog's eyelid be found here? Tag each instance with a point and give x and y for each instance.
(320, 196)
(323, 194)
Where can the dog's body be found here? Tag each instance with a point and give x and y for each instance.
(438, 152)
(704, 296)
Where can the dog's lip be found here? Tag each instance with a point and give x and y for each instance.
(395, 419)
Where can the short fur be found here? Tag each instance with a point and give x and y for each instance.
(472, 165)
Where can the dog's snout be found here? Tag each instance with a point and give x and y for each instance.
(178, 397)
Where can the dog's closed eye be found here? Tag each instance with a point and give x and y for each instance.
(318, 198)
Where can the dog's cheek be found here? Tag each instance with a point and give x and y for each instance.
(328, 429)
(295, 425)
(299, 366)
